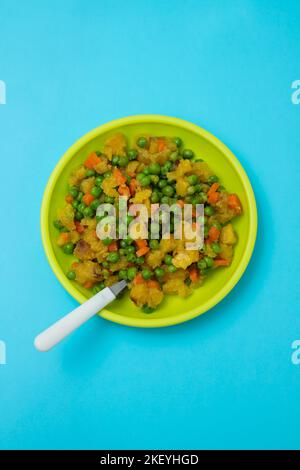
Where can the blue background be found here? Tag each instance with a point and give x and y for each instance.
(224, 380)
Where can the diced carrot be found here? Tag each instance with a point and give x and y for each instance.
(133, 186)
(213, 234)
(69, 198)
(124, 190)
(235, 203)
(139, 279)
(92, 160)
(212, 194)
(142, 251)
(180, 203)
(79, 227)
(221, 262)
(153, 284)
(118, 175)
(194, 275)
(161, 144)
(113, 246)
(63, 238)
(88, 198)
(141, 243)
(88, 284)
(74, 265)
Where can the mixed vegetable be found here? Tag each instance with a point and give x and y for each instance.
(153, 170)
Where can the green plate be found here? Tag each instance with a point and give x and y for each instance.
(217, 285)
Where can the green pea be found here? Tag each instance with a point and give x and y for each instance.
(122, 251)
(94, 204)
(145, 181)
(90, 173)
(123, 161)
(154, 179)
(174, 157)
(105, 264)
(131, 273)
(140, 260)
(154, 169)
(166, 167)
(98, 181)
(73, 191)
(154, 244)
(196, 199)
(68, 248)
(115, 160)
(154, 197)
(98, 287)
(109, 199)
(217, 225)
(132, 154)
(129, 249)
(123, 244)
(78, 215)
(129, 240)
(146, 273)
(188, 199)
(203, 197)
(202, 264)
(193, 179)
(131, 258)
(96, 191)
(140, 176)
(107, 174)
(122, 274)
(89, 212)
(187, 153)
(71, 275)
(165, 200)
(113, 257)
(216, 247)
(168, 191)
(159, 272)
(177, 141)
(147, 309)
(172, 268)
(142, 142)
(162, 183)
(57, 224)
(209, 210)
(209, 261)
(191, 190)
(80, 196)
(75, 204)
(107, 241)
(212, 179)
(168, 259)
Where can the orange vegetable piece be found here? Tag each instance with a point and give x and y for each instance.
(63, 238)
(142, 251)
(153, 284)
(69, 198)
(124, 190)
(133, 186)
(113, 246)
(88, 284)
(180, 203)
(119, 177)
(92, 160)
(194, 275)
(221, 262)
(213, 234)
(139, 279)
(161, 144)
(88, 198)
(141, 243)
(212, 194)
(79, 227)
(235, 203)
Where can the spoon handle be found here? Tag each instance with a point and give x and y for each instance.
(66, 325)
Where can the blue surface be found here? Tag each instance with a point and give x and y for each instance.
(226, 379)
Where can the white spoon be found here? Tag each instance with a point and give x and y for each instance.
(66, 325)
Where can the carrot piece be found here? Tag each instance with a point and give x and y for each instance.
(153, 284)
(79, 227)
(212, 194)
(69, 198)
(133, 186)
(139, 279)
(74, 265)
(180, 203)
(63, 238)
(235, 203)
(88, 198)
(161, 144)
(124, 190)
(113, 246)
(194, 275)
(213, 234)
(142, 251)
(88, 284)
(221, 262)
(92, 160)
(141, 243)
(118, 175)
